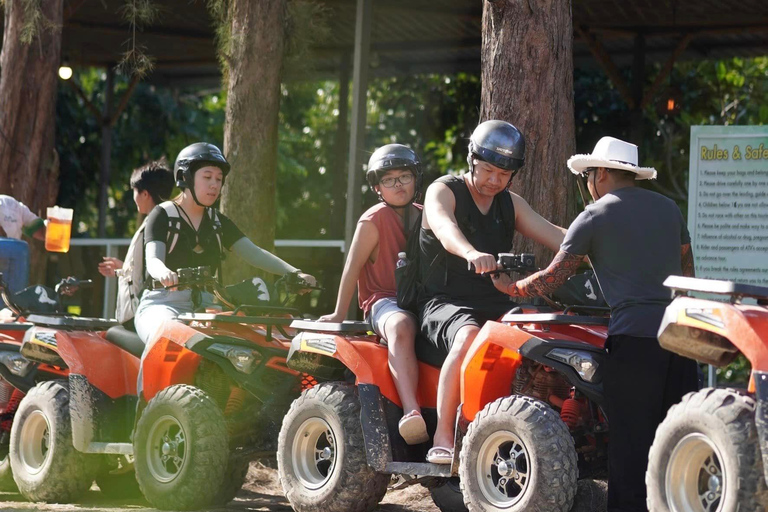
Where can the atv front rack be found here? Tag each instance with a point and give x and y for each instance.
(268, 321)
(553, 318)
(681, 285)
(347, 326)
(72, 323)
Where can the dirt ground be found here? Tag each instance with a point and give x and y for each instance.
(262, 492)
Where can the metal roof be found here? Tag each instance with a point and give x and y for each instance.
(419, 35)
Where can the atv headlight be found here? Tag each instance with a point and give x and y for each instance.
(17, 364)
(583, 362)
(243, 359)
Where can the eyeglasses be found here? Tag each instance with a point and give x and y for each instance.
(585, 175)
(390, 182)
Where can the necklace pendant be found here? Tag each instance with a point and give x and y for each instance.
(198, 249)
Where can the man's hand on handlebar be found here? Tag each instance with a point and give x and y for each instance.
(309, 280)
(482, 262)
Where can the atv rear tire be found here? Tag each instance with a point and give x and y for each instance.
(46, 467)
(706, 456)
(447, 496)
(181, 449)
(321, 459)
(518, 455)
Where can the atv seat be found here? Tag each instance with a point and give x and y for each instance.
(346, 327)
(736, 290)
(126, 340)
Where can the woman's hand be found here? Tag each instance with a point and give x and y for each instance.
(169, 278)
(483, 262)
(109, 265)
(335, 318)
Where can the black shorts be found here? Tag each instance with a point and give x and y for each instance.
(441, 320)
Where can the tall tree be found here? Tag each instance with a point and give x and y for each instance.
(252, 38)
(527, 72)
(28, 66)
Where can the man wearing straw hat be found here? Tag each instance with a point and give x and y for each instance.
(634, 238)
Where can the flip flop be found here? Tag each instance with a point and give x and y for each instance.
(413, 428)
(440, 455)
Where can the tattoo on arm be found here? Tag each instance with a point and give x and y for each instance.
(548, 280)
(686, 259)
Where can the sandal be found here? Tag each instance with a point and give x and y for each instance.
(413, 428)
(440, 455)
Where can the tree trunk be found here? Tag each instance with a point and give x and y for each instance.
(28, 72)
(255, 63)
(29, 164)
(527, 71)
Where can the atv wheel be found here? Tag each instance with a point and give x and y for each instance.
(518, 455)
(181, 449)
(321, 456)
(234, 478)
(705, 456)
(447, 496)
(46, 467)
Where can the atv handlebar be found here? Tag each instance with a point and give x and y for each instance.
(524, 263)
(68, 286)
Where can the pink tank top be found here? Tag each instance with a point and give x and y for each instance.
(377, 280)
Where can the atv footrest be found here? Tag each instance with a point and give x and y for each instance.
(419, 469)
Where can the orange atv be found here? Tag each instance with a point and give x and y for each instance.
(706, 456)
(214, 388)
(17, 374)
(531, 413)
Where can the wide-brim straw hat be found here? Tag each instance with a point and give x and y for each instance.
(612, 153)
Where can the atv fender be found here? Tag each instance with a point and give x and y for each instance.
(714, 332)
(490, 365)
(169, 361)
(87, 353)
(327, 355)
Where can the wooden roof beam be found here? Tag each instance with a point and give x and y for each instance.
(602, 57)
(666, 70)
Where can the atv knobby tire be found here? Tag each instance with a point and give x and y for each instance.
(234, 478)
(181, 449)
(321, 459)
(46, 466)
(706, 439)
(517, 456)
(447, 496)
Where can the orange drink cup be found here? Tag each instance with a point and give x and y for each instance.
(59, 229)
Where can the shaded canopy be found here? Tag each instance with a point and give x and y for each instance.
(416, 36)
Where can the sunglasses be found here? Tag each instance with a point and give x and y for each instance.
(585, 175)
(390, 182)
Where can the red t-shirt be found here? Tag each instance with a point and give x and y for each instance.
(377, 280)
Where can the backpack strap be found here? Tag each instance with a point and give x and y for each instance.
(218, 231)
(174, 224)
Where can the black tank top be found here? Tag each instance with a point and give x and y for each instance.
(446, 274)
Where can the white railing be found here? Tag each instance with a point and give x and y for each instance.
(112, 244)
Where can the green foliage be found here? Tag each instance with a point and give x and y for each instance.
(138, 14)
